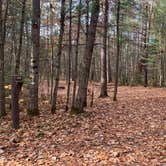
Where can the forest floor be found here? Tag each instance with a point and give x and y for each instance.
(130, 132)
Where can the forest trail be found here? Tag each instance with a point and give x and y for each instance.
(131, 131)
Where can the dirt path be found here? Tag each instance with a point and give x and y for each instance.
(131, 131)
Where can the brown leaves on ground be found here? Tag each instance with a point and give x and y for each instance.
(131, 131)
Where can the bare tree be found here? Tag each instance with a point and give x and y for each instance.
(58, 57)
(33, 92)
(85, 67)
(76, 53)
(3, 19)
(69, 54)
(117, 50)
(103, 92)
(52, 48)
(16, 79)
(109, 71)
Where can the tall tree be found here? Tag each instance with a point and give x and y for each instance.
(69, 53)
(109, 72)
(87, 31)
(2, 90)
(148, 22)
(87, 57)
(16, 79)
(58, 57)
(52, 47)
(18, 56)
(146, 47)
(117, 50)
(33, 92)
(76, 52)
(103, 92)
(3, 19)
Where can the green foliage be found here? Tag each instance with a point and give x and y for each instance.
(79, 7)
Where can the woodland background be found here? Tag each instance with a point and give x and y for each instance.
(82, 82)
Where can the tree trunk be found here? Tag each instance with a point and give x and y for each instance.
(16, 88)
(17, 64)
(69, 57)
(76, 53)
(33, 109)
(109, 71)
(87, 31)
(52, 51)
(2, 90)
(58, 57)
(3, 20)
(85, 67)
(17, 82)
(146, 49)
(27, 54)
(118, 51)
(103, 92)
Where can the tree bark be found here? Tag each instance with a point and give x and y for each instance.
(17, 82)
(27, 54)
(87, 31)
(58, 57)
(118, 51)
(3, 19)
(69, 56)
(76, 53)
(33, 109)
(2, 90)
(85, 67)
(52, 50)
(103, 92)
(16, 88)
(146, 48)
(109, 71)
(17, 64)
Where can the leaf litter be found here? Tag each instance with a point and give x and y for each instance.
(131, 131)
